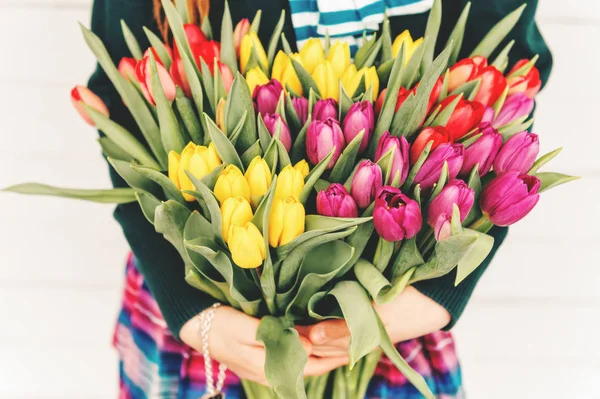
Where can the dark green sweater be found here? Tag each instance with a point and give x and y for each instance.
(160, 264)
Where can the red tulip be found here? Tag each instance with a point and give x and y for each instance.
(509, 198)
(379, 102)
(402, 96)
(438, 134)
(239, 32)
(156, 57)
(127, 67)
(464, 71)
(529, 84)
(395, 215)
(439, 214)
(466, 116)
(144, 77)
(493, 84)
(82, 95)
(336, 202)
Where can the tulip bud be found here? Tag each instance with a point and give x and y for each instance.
(272, 121)
(351, 80)
(410, 46)
(440, 210)
(516, 106)
(235, 211)
(530, 84)
(198, 160)
(241, 29)
(256, 77)
(465, 71)
(251, 41)
(82, 95)
(438, 134)
(482, 152)
(360, 116)
(379, 102)
(247, 246)
(493, 84)
(403, 96)
(303, 168)
(222, 104)
(226, 76)
(301, 107)
(258, 175)
(152, 50)
(290, 182)
(336, 202)
(367, 180)
(231, 183)
(194, 34)
(286, 221)
(267, 96)
(127, 67)
(339, 56)
(326, 81)
(312, 54)
(400, 146)
(284, 72)
(144, 77)
(395, 215)
(179, 77)
(518, 153)
(324, 109)
(466, 116)
(509, 198)
(321, 138)
(431, 170)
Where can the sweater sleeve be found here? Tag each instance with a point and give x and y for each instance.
(157, 260)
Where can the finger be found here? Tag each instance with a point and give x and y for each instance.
(319, 366)
(306, 344)
(329, 351)
(303, 330)
(327, 331)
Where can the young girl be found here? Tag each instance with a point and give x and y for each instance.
(157, 336)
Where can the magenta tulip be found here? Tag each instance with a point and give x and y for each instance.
(517, 154)
(267, 96)
(431, 170)
(396, 216)
(324, 109)
(321, 138)
(516, 106)
(483, 151)
(509, 198)
(360, 116)
(366, 182)
(301, 106)
(271, 121)
(439, 213)
(336, 202)
(400, 158)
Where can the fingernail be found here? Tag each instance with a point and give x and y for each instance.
(319, 335)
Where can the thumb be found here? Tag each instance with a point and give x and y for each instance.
(328, 330)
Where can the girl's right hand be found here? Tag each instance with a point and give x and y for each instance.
(232, 341)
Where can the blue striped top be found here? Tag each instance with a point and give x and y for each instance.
(346, 20)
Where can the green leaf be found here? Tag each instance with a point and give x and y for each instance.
(550, 180)
(314, 175)
(383, 254)
(189, 117)
(510, 130)
(371, 56)
(251, 153)
(495, 36)
(112, 196)
(501, 61)
(474, 182)
(206, 28)
(409, 257)
(298, 151)
(306, 81)
(205, 195)
(223, 146)
(272, 155)
(458, 33)
(285, 45)
(291, 116)
(347, 160)
(470, 261)
(182, 8)
(543, 160)
(272, 49)
(525, 69)
(237, 130)
(228, 56)
(412, 70)
(360, 238)
(500, 101)
(468, 89)
(345, 102)
(285, 357)
(111, 150)
(439, 186)
(256, 21)
(365, 51)
(159, 47)
(386, 46)
(131, 41)
(417, 166)
(170, 219)
(135, 179)
(431, 32)
(148, 204)
(239, 101)
(170, 189)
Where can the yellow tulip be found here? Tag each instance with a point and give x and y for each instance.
(312, 54)
(290, 182)
(198, 160)
(221, 105)
(235, 211)
(256, 77)
(351, 80)
(410, 46)
(284, 71)
(339, 56)
(231, 183)
(247, 246)
(251, 41)
(303, 167)
(326, 80)
(258, 176)
(286, 221)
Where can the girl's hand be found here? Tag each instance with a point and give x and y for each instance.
(410, 315)
(232, 341)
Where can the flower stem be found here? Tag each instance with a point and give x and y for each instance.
(482, 225)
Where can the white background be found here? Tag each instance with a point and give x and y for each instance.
(530, 331)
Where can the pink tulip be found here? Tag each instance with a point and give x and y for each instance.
(336, 202)
(439, 214)
(301, 106)
(360, 116)
(144, 77)
(82, 95)
(517, 154)
(367, 180)
(271, 121)
(483, 151)
(396, 216)
(516, 106)
(226, 76)
(241, 29)
(127, 67)
(267, 96)
(321, 138)
(324, 109)
(400, 159)
(431, 170)
(509, 198)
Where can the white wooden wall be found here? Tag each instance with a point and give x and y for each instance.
(531, 329)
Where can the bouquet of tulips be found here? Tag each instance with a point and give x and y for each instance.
(299, 187)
